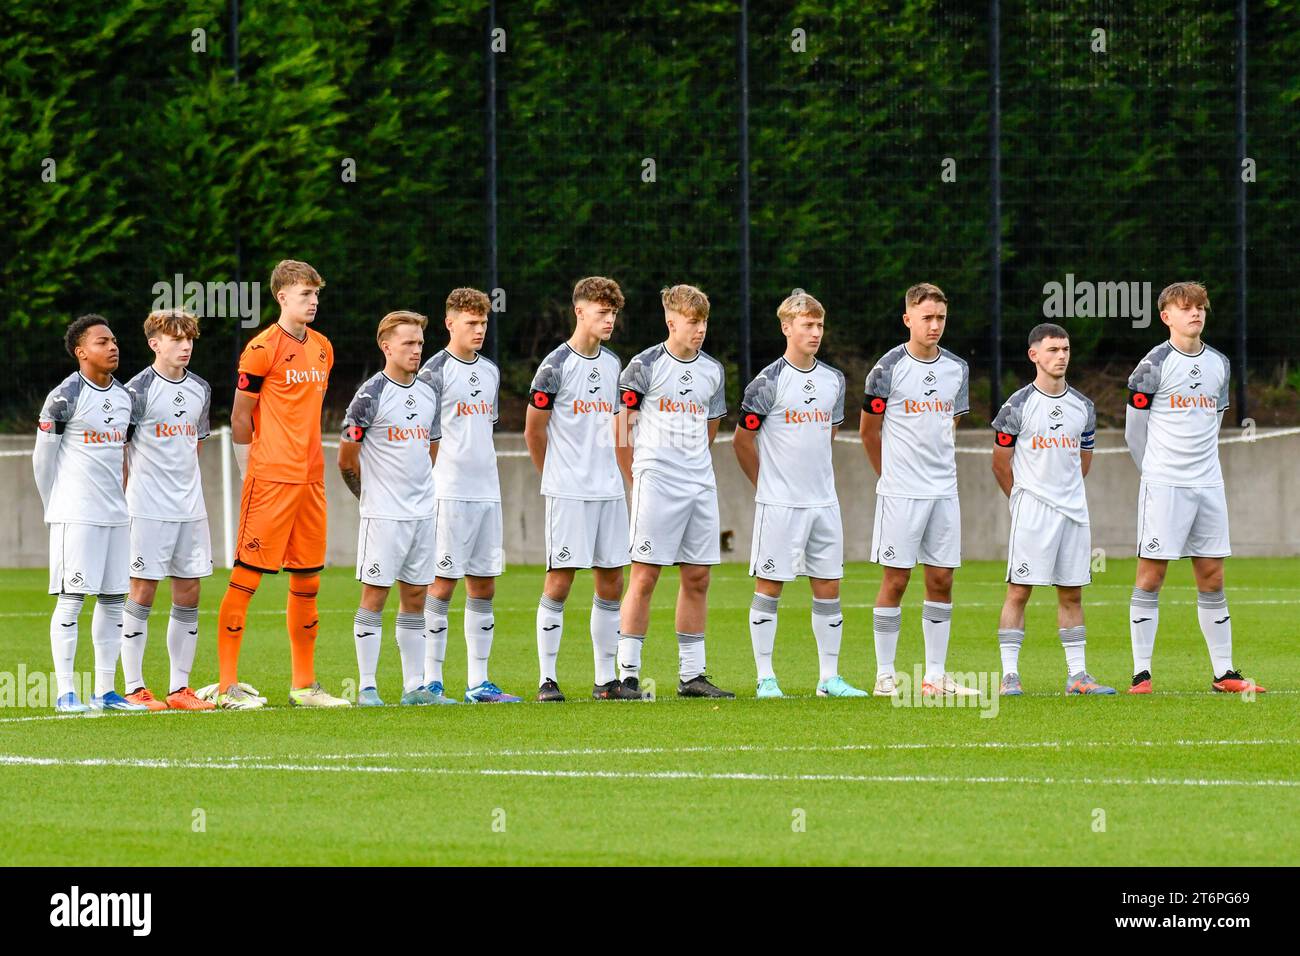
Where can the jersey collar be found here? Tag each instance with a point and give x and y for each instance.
(801, 371)
(111, 382)
(1065, 391)
(170, 381)
(399, 384)
(461, 360)
(936, 358)
(1188, 354)
(300, 341)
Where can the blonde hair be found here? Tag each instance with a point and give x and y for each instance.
(389, 323)
(922, 291)
(289, 272)
(177, 323)
(798, 303)
(468, 300)
(1184, 294)
(600, 290)
(687, 300)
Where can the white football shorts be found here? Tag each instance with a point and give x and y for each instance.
(911, 531)
(789, 542)
(672, 524)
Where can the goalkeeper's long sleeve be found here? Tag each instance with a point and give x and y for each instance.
(45, 457)
(1135, 433)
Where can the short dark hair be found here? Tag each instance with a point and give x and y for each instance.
(1047, 330)
(77, 331)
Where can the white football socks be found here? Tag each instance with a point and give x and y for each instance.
(1216, 625)
(827, 628)
(762, 632)
(135, 635)
(435, 638)
(550, 628)
(480, 625)
(106, 634)
(1010, 640)
(690, 656)
(1074, 640)
(182, 639)
(604, 638)
(885, 625)
(63, 639)
(367, 632)
(411, 648)
(936, 623)
(1144, 617)
(629, 655)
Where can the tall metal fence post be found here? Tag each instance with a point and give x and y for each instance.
(494, 278)
(995, 201)
(1242, 287)
(237, 330)
(743, 359)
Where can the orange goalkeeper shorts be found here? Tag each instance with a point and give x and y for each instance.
(281, 526)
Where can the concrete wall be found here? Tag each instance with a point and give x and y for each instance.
(1263, 500)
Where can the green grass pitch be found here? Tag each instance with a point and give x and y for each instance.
(1182, 777)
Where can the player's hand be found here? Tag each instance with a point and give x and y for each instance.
(241, 458)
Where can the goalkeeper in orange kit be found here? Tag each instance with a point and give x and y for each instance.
(275, 424)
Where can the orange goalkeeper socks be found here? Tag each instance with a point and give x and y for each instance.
(230, 623)
(303, 619)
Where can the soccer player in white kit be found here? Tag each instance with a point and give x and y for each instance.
(79, 465)
(914, 396)
(390, 438)
(469, 497)
(164, 497)
(1044, 436)
(1177, 397)
(788, 420)
(569, 433)
(673, 397)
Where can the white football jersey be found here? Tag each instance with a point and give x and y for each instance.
(581, 393)
(793, 411)
(95, 425)
(171, 418)
(466, 469)
(1046, 434)
(394, 424)
(919, 400)
(1184, 395)
(674, 400)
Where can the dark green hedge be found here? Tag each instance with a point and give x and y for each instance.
(1116, 166)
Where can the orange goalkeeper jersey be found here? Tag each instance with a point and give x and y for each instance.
(289, 377)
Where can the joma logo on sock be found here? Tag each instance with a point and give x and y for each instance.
(103, 909)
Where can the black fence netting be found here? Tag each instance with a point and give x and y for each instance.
(143, 151)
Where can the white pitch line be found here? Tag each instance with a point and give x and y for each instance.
(762, 748)
(164, 764)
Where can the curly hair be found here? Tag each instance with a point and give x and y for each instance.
(600, 290)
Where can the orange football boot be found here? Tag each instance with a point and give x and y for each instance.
(1233, 683)
(185, 699)
(144, 696)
